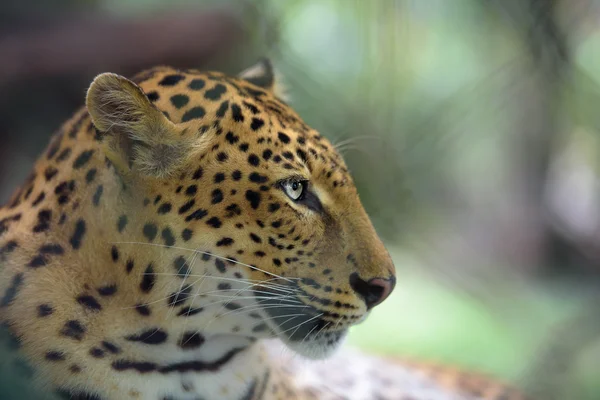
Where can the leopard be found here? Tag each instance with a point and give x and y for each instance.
(186, 235)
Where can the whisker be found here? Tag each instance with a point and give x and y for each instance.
(210, 254)
(299, 325)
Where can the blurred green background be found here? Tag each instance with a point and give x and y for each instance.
(470, 126)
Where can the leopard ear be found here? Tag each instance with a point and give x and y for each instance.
(137, 136)
(264, 75)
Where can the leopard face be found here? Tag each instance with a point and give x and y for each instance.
(230, 165)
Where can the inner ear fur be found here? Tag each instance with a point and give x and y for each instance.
(138, 137)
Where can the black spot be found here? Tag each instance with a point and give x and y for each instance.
(73, 329)
(129, 266)
(38, 261)
(122, 223)
(164, 208)
(77, 395)
(114, 253)
(196, 84)
(50, 172)
(288, 155)
(236, 175)
(256, 124)
(193, 113)
(236, 113)
(96, 352)
(110, 347)
(232, 306)
(222, 157)
(217, 196)
(9, 247)
(78, 234)
(107, 290)
(226, 241)
(97, 195)
(150, 336)
(142, 309)
(189, 311)
(141, 367)
(54, 249)
(74, 368)
(167, 236)
(219, 177)
(191, 190)
(274, 207)
(198, 173)
(276, 224)
(197, 215)
(150, 231)
(64, 155)
(221, 267)
(191, 340)
(232, 138)
(43, 221)
(82, 159)
(55, 356)
(45, 310)
(153, 96)
(283, 137)
(186, 234)
(222, 109)
(181, 267)
(38, 199)
(216, 92)
(187, 206)
(179, 100)
(171, 80)
(277, 262)
(178, 298)
(244, 147)
(253, 160)
(267, 154)
(253, 109)
(257, 178)
(91, 174)
(89, 302)
(253, 198)
(233, 209)
(12, 290)
(214, 222)
(255, 238)
(148, 280)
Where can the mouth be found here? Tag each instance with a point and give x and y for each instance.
(303, 328)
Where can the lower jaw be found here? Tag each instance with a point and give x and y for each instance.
(317, 349)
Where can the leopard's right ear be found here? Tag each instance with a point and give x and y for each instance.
(137, 136)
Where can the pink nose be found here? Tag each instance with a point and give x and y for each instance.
(374, 291)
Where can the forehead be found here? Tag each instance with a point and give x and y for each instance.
(248, 118)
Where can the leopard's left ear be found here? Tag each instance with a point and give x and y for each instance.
(264, 75)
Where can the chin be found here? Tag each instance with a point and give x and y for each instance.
(318, 347)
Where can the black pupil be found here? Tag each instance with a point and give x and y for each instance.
(295, 185)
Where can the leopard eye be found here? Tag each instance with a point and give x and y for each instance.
(294, 189)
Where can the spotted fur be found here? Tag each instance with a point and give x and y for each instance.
(158, 246)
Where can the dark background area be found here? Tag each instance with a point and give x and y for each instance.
(470, 126)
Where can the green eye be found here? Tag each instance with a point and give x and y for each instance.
(294, 189)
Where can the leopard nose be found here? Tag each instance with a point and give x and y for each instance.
(374, 291)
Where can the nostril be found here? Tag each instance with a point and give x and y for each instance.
(374, 291)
